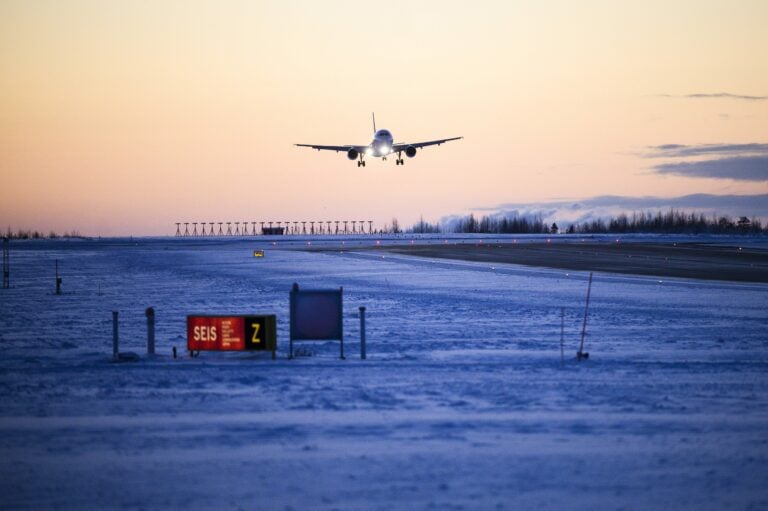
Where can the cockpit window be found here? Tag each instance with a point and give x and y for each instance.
(384, 132)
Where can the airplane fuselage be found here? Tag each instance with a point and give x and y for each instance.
(382, 143)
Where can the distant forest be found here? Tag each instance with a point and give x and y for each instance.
(670, 222)
(24, 234)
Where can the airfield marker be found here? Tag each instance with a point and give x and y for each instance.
(58, 279)
(362, 333)
(580, 354)
(115, 350)
(6, 263)
(150, 313)
(562, 336)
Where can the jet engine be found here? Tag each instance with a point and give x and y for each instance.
(410, 151)
(352, 154)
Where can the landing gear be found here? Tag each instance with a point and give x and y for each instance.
(361, 162)
(399, 160)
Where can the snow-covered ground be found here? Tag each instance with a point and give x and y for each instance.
(462, 403)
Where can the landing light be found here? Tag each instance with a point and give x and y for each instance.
(384, 149)
(368, 151)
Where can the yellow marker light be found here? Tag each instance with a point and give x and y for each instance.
(258, 253)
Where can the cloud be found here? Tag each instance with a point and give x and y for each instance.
(742, 162)
(716, 95)
(740, 168)
(683, 151)
(606, 206)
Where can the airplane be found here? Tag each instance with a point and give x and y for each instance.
(382, 145)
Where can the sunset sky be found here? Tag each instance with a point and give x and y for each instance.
(124, 117)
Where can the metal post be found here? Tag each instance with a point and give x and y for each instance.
(292, 314)
(341, 322)
(150, 313)
(362, 333)
(58, 279)
(581, 353)
(6, 264)
(562, 336)
(115, 350)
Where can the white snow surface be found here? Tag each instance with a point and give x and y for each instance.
(462, 403)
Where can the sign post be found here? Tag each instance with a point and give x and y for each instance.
(150, 313)
(6, 265)
(316, 315)
(115, 348)
(232, 333)
(362, 333)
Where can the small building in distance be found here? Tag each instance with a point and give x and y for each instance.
(273, 231)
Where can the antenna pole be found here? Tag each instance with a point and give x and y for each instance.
(581, 353)
(562, 336)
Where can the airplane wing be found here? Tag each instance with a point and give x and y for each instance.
(337, 148)
(417, 145)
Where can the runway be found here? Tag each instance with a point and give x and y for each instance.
(685, 260)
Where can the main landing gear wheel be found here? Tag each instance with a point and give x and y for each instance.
(399, 162)
(361, 163)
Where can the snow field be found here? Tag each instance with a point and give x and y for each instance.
(462, 403)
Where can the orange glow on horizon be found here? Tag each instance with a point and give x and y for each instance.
(122, 118)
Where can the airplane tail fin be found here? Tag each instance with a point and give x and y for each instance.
(373, 115)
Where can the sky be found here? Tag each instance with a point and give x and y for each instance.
(122, 118)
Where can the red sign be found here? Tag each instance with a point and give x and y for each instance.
(215, 333)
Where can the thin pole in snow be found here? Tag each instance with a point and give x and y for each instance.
(362, 333)
(581, 353)
(562, 336)
(6, 263)
(115, 351)
(58, 279)
(150, 313)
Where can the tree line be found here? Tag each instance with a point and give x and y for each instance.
(30, 234)
(669, 222)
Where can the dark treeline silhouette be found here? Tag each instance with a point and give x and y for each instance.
(25, 234)
(670, 222)
(423, 227)
(501, 225)
(486, 225)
